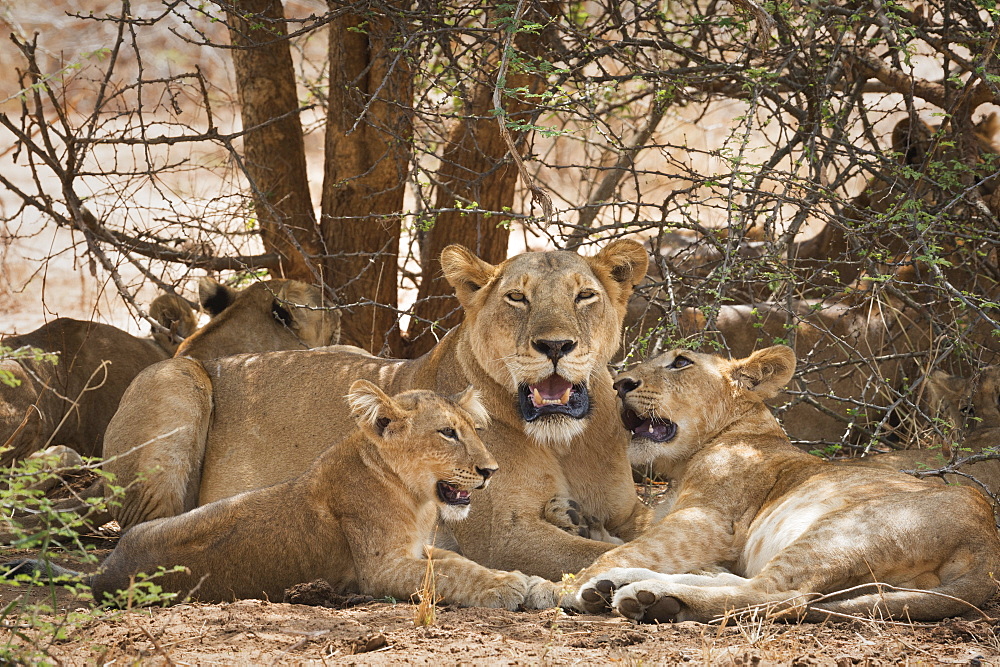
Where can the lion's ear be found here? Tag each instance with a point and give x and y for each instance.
(625, 262)
(465, 272)
(989, 125)
(912, 140)
(215, 297)
(946, 395)
(765, 372)
(299, 307)
(372, 407)
(175, 313)
(469, 401)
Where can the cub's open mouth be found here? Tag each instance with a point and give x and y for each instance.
(651, 428)
(554, 395)
(452, 496)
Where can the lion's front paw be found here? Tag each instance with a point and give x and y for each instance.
(542, 593)
(567, 514)
(509, 591)
(595, 596)
(648, 602)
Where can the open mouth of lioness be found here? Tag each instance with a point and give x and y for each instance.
(649, 428)
(451, 495)
(555, 395)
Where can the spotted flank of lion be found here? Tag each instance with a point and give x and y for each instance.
(360, 517)
(754, 521)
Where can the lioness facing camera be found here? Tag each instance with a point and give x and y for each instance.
(538, 333)
(359, 517)
(753, 520)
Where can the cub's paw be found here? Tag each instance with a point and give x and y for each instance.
(508, 591)
(567, 514)
(648, 602)
(596, 595)
(542, 593)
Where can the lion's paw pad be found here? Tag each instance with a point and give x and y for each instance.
(648, 607)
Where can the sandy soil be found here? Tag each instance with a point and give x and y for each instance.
(358, 630)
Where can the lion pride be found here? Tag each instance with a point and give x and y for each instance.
(539, 331)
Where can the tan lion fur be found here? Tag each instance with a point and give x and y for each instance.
(752, 520)
(949, 398)
(359, 517)
(266, 316)
(229, 425)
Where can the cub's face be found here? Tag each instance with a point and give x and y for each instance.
(543, 325)
(430, 441)
(677, 402)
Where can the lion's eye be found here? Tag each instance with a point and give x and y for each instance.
(585, 294)
(449, 433)
(517, 297)
(681, 362)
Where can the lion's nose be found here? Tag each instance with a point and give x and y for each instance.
(554, 349)
(486, 472)
(625, 385)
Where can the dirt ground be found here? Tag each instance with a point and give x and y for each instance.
(358, 630)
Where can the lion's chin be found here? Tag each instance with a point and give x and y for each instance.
(556, 431)
(452, 513)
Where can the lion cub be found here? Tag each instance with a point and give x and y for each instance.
(753, 520)
(359, 517)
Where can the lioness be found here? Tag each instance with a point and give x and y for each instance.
(266, 316)
(972, 407)
(359, 517)
(72, 401)
(753, 520)
(538, 333)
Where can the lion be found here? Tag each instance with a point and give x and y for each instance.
(538, 333)
(266, 316)
(72, 400)
(753, 521)
(969, 409)
(360, 517)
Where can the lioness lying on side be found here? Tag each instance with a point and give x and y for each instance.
(753, 520)
(360, 517)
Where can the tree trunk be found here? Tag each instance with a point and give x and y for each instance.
(367, 162)
(275, 154)
(472, 169)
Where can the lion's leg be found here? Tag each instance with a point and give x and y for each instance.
(699, 598)
(456, 580)
(155, 443)
(595, 595)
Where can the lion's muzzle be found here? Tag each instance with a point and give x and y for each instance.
(650, 428)
(554, 395)
(451, 495)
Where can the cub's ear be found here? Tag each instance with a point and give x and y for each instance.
(469, 401)
(765, 372)
(215, 297)
(988, 125)
(372, 408)
(465, 272)
(624, 261)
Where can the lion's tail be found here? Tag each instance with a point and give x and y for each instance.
(42, 571)
(959, 596)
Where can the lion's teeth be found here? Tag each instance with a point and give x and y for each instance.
(536, 396)
(564, 399)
